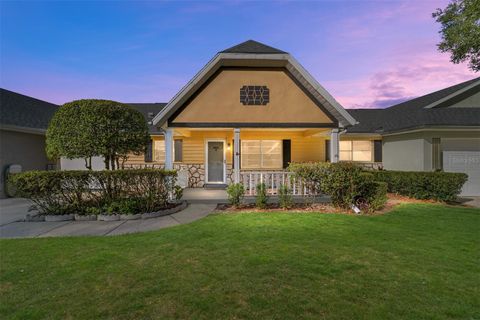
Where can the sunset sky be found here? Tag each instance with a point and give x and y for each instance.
(366, 53)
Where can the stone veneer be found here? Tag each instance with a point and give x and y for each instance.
(196, 173)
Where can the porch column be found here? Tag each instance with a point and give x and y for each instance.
(334, 145)
(169, 149)
(236, 155)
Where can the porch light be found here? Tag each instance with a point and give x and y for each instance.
(228, 147)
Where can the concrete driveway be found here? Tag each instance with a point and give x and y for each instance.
(16, 210)
(13, 209)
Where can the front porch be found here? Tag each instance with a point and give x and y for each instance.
(221, 156)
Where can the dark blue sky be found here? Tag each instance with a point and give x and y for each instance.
(366, 53)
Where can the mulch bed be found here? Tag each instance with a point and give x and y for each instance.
(393, 201)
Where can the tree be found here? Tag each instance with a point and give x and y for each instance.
(88, 128)
(460, 31)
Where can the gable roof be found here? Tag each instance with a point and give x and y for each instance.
(149, 111)
(250, 59)
(252, 46)
(421, 112)
(24, 113)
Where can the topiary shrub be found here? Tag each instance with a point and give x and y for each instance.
(235, 192)
(442, 186)
(261, 197)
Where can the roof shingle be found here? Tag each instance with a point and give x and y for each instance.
(413, 114)
(252, 46)
(23, 111)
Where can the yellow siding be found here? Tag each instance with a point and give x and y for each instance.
(310, 148)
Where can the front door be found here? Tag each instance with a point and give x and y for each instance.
(215, 162)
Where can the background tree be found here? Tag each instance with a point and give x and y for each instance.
(460, 31)
(88, 128)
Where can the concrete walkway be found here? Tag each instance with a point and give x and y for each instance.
(13, 209)
(102, 228)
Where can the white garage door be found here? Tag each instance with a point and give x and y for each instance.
(467, 162)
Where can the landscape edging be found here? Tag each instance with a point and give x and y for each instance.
(165, 212)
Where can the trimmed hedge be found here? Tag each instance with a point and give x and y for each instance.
(119, 191)
(443, 186)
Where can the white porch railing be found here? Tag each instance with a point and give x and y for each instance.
(273, 180)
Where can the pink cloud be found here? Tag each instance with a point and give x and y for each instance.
(404, 76)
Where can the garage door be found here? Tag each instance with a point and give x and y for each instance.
(467, 162)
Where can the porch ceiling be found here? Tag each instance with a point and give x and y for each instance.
(306, 132)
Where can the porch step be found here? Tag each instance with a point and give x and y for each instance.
(214, 186)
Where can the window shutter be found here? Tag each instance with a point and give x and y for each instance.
(178, 157)
(148, 152)
(377, 151)
(239, 151)
(327, 150)
(287, 153)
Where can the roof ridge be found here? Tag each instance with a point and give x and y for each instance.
(252, 46)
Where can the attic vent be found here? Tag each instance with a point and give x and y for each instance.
(151, 115)
(254, 95)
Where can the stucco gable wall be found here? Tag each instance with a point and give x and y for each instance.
(219, 101)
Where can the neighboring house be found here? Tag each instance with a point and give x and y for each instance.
(253, 109)
(23, 123)
(438, 131)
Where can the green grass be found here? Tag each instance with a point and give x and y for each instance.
(418, 262)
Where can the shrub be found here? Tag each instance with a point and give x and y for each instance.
(59, 192)
(284, 197)
(311, 173)
(344, 182)
(375, 195)
(261, 197)
(178, 192)
(443, 186)
(235, 192)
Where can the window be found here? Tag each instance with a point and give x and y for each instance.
(356, 150)
(262, 154)
(254, 95)
(159, 150)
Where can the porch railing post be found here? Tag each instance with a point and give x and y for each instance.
(334, 145)
(169, 149)
(236, 155)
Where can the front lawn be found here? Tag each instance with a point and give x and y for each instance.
(419, 261)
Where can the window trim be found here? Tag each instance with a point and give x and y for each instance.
(352, 149)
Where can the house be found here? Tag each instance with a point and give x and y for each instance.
(253, 109)
(438, 131)
(23, 123)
